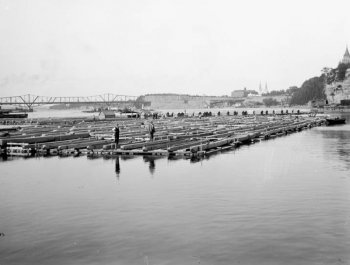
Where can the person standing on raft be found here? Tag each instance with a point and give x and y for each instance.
(149, 126)
(116, 134)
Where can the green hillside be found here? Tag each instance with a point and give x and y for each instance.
(312, 88)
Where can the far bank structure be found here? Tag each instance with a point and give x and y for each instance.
(178, 101)
(336, 94)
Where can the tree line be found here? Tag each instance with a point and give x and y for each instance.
(314, 88)
(311, 89)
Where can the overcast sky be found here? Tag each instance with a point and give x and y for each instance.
(129, 47)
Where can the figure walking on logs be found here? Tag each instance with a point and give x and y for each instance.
(149, 126)
(116, 134)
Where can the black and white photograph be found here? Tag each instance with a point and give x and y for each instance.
(174, 132)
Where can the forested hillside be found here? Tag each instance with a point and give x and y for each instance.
(310, 89)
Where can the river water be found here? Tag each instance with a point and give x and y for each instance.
(281, 201)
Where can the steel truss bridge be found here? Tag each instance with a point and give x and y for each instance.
(32, 100)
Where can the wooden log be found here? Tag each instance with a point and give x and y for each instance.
(39, 139)
(164, 145)
(9, 129)
(84, 144)
(142, 144)
(52, 145)
(241, 138)
(42, 139)
(210, 145)
(196, 135)
(55, 145)
(186, 145)
(18, 151)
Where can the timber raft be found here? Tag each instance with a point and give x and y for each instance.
(180, 136)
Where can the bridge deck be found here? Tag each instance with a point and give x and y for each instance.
(30, 100)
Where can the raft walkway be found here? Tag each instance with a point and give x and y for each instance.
(174, 136)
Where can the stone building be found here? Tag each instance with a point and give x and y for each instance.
(243, 93)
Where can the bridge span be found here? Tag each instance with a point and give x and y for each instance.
(33, 100)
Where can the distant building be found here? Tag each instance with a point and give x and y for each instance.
(237, 94)
(346, 57)
(106, 114)
(243, 93)
(253, 95)
(318, 103)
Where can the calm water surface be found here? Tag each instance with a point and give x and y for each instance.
(282, 201)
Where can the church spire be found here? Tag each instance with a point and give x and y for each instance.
(266, 90)
(346, 58)
(346, 51)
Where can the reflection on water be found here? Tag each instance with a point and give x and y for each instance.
(196, 159)
(127, 157)
(117, 167)
(3, 157)
(337, 146)
(282, 201)
(337, 143)
(151, 162)
(152, 166)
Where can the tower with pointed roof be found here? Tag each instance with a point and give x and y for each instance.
(346, 58)
(266, 90)
(260, 89)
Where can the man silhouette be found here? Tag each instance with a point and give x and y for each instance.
(116, 134)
